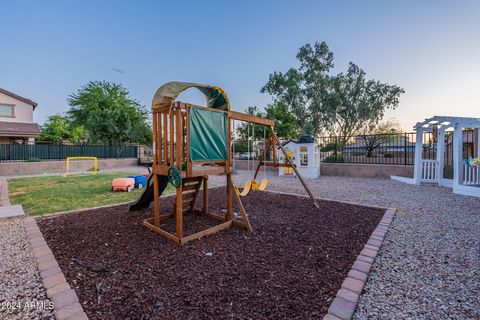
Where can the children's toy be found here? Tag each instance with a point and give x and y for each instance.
(140, 181)
(190, 143)
(123, 184)
(472, 162)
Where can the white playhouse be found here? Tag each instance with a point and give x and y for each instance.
(305, 155)
(448, 132)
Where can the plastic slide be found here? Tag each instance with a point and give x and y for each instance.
(147, 195)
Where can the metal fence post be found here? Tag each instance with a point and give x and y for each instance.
(336, 149)
(405, 149)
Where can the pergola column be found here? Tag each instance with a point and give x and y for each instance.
(417, 175)
(440, 153)
(478, 143)
(457, 155)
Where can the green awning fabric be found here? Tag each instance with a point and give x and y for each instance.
(208, 135)
(168, 93)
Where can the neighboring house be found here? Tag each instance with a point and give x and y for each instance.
(16, 118)
(305, 155)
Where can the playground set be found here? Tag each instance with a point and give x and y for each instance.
(192, 142)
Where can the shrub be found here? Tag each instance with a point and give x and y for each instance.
(333, 159)
(33, 159)
(331, 146)
(388, 155)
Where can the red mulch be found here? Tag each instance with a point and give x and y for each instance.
(290, 267)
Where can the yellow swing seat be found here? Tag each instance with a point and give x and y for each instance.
(246, 189)
(260, 187)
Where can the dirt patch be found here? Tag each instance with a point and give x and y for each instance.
(290, 267)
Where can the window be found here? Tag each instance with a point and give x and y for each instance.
(303, 156)
(316, 156)
(6, 110)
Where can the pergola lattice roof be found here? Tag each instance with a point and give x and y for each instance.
(445, 122)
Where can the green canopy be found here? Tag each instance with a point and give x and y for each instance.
(168, 93)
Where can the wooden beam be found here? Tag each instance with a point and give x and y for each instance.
(299, 176)
(252, 119)
(164, 233)
(218, 217)
(271, 164)
(244, 215)
(206, 232)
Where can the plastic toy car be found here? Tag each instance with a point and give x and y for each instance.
(123, 184)
(140, 181)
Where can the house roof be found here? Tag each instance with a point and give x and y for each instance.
(16, 96)
(19, 129)
(444, 122)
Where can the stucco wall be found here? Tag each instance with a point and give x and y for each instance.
(33, 168)
(346, 169)
(23, 111)
(365, 170)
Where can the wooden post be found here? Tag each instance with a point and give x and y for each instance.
(154, 137)
(299, 176)
(178, 161)
(229, 214)
(417, 174)
(205, 195)
(156, 204)
(165, 138)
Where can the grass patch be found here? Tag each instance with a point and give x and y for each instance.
(42, 195)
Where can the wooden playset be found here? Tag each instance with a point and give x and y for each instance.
(190, 143)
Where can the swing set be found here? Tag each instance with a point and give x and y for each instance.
(190, 143)
(252, 184)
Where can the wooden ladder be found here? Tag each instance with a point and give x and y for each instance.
(190, 191)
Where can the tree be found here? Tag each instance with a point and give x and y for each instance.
(304, 90)
(341, 104)
(285, 123)
(58, 128)
(109, 115)
(248, 131)
(355, 103)
(377, 135)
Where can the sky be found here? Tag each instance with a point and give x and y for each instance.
(49, 49)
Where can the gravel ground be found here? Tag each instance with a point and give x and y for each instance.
(429, 265)
(21, 292)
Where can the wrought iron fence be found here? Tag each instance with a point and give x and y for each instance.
(41, 151)
(396, 148)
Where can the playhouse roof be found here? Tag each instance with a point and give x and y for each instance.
(302, 139)
(444, 122)
(168, 93)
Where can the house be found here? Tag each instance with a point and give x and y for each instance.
(16, 119)
(305, 154)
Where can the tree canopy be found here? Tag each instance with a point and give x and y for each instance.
(343, 104)
(59, 128)
(109, 115)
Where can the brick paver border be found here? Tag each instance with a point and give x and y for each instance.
(65, 301)
(345, 302)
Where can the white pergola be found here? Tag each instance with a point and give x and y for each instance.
(466, 179)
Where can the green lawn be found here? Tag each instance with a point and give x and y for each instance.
(42, 195)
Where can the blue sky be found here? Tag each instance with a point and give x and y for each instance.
(430, 48)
